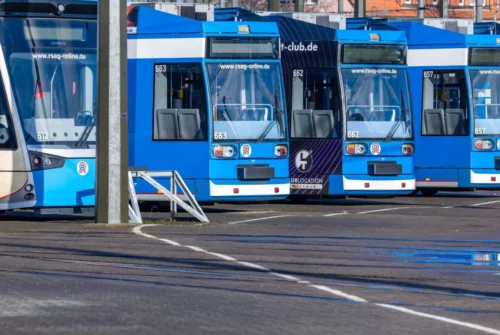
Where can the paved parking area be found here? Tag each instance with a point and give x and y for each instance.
(408, 265)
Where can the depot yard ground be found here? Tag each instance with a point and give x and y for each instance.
(409, 265)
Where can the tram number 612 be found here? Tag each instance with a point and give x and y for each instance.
(42, 136)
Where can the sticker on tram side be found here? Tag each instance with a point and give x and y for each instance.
(82, 168)
(375, 148)
(311, 163)
(246, 150)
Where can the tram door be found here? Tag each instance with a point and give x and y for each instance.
(16, 183)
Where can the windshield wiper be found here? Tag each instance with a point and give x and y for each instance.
(278, 116)
(86, 131)
(402, 118)
(225, 114)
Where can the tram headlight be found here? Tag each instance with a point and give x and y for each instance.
(356, 148)
(224, 151)
(407, 149)
(43, 161)
(36, 161)
(280, 150)
(484, 144)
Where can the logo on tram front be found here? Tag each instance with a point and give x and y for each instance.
(375, 148)
(82, 168)
(246, 150)
(303, 161)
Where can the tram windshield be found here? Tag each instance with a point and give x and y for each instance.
(246, 101)
(52, 64)
(486, 101)
(377, 103)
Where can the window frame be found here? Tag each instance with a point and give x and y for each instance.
(334, 73)
(10, 120)
(204, 126)
(465, 96)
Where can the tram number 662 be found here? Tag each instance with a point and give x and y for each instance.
(298, 73)
(353, 134)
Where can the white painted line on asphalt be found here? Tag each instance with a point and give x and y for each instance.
(259, 219)
(440, 318)
(253, 265)
(195, 248)
(169, 241)
(137, 230)
(287, 277)
(383, 210)
(486, 203)
(339, 293)
(334, 214)
(224, 257)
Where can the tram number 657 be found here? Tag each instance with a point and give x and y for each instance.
(479, 131)
(428, 74)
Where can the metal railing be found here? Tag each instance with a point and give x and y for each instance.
(176, 182)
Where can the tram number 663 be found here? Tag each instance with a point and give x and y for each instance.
(220, 135)
(160, 68)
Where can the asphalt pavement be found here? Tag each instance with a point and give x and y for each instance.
(408, 265)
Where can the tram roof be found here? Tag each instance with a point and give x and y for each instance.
(49, 8)
(425, 36)
(145, 20)
(294, 30)
(486, 28)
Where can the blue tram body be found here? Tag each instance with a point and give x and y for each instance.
(206, 99)
(350, 117)
(455, 81)
(49, 83)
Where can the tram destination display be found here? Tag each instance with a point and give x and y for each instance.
(373, 54)
(242, 47)
(484, 56)
(55, 33)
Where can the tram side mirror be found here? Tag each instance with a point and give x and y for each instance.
(4, 130)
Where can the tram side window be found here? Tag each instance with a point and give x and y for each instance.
(180, 112)
(7, 133)
(445, 109)
(316, 104)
